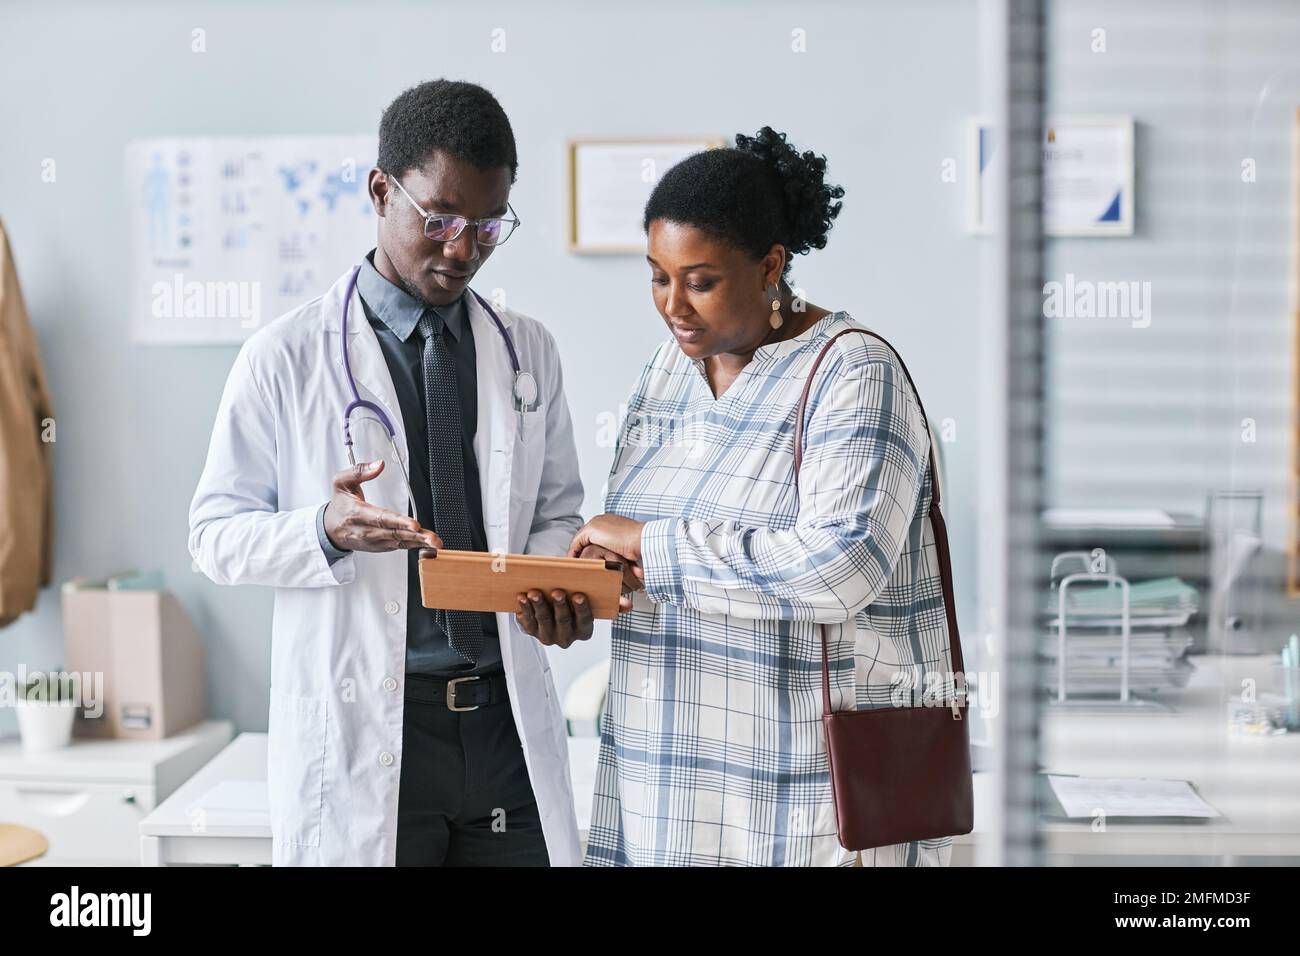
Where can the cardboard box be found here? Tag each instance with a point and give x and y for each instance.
(152, 660)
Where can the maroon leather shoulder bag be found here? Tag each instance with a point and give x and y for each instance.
(898, 773)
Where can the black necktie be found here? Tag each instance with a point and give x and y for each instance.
(464, 629)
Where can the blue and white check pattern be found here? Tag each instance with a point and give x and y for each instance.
(712, 750)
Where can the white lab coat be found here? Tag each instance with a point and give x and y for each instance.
(338, 638)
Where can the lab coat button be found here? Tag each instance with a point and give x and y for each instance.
(392, 607)
(390, 683)
(386, 759)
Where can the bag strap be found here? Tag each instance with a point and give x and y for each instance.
(936, 515)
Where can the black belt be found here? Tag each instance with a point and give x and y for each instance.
(458, 693)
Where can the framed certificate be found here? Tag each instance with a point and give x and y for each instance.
(609, 183)
(1293, 479)
(1087, 174)
(985, 156)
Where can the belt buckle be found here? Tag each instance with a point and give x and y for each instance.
(451, 694)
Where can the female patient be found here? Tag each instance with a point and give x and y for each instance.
(712, 749)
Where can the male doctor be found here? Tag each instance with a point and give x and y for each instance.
(399, 734)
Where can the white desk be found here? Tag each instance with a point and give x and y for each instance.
(88, 798)
(1254, 782)
(175, 834)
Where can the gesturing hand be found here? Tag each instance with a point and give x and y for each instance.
(353, 524)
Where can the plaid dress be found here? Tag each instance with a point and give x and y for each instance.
(711, 749)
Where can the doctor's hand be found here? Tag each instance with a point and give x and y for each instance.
(559, 618)
(353, 524)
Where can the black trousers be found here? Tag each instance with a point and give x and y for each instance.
(465, 798)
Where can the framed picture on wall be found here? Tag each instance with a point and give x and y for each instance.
(228, 232)
(1087, 174)
(1293, 479)
(609, 183)
(985, 156)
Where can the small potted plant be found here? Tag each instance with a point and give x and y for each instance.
(46, 705)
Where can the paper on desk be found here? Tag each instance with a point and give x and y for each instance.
(1108, 517)
(1128, 797)
(234, 796)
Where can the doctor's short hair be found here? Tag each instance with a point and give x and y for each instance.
(462, 119)
(760, 192)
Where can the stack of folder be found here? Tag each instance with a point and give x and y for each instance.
(1162, 602)
(1157, 662)
(1159, 611)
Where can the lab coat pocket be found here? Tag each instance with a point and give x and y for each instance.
(530, 454)
(529, 426)
(296, 738)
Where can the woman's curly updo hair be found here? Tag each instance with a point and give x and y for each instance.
(760, 192)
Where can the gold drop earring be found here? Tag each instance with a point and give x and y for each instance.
(775, 319)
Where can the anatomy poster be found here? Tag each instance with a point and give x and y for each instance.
(229, 233)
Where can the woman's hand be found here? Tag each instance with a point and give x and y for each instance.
(633, 576)
(613, 533)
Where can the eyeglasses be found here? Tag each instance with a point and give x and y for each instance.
(444, 227)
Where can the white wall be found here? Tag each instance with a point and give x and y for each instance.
(883, 91)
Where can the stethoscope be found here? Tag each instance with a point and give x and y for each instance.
(524, 391)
